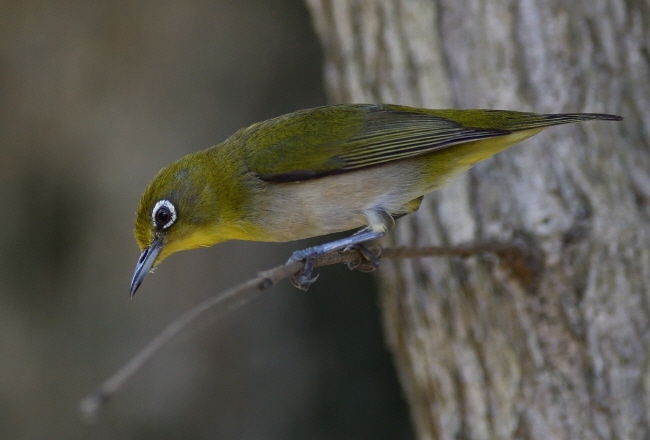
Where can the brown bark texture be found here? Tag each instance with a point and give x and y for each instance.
(483, 352)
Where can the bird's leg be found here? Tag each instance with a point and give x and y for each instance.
(304, 279)
(370, 261)
(379, 223)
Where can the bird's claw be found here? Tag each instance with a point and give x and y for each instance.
(303, 279)
(368, 262)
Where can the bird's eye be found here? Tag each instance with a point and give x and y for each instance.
(163, 214)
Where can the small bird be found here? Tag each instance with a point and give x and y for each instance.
(318, 171)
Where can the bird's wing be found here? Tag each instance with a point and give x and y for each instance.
(328, 140)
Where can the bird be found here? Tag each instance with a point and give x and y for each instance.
(318, 171)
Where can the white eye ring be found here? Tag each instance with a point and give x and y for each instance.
(170, 207)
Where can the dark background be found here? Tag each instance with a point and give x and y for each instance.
(96, 97)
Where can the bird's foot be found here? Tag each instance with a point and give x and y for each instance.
(303, 279)
(368, 262)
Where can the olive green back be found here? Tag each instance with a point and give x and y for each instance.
(333, 139)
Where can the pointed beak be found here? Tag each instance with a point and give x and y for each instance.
(145, 263)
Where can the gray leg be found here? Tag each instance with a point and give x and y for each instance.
(380, 222)
(359, 237)
(304, 279)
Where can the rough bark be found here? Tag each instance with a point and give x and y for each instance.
(482, 353)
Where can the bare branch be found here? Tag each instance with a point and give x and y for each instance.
(243, 293)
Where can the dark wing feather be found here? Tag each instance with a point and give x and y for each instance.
(334, 139)
(393, 135)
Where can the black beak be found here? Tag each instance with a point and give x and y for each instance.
(145, 262)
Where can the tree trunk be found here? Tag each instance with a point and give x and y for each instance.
(481, 352)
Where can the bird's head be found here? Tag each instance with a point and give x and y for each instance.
(176, 212)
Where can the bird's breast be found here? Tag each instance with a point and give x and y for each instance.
(335, 203)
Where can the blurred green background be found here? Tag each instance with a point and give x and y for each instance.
(95, 97)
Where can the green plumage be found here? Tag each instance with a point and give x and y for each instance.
(318, 171)
(325, 140)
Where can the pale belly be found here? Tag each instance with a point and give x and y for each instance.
(339, 202)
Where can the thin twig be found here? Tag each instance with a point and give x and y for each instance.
(245, 292)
